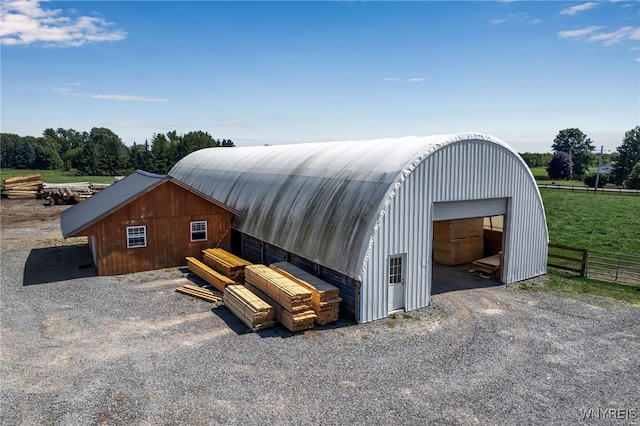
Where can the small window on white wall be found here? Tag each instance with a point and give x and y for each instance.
(199, 231)
(136, 236)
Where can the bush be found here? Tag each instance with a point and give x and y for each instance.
(590, 180)
(634, 177)
(560, 166)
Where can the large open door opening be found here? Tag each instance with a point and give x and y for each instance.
(468, 241)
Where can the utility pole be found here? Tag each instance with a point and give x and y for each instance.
(599, 165)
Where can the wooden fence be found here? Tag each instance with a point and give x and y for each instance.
(612, 267)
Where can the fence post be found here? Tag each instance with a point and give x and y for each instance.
(585, 258)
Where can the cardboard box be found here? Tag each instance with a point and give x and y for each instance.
(458, 251)
(455, 229)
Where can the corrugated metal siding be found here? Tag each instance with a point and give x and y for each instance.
(462, 170)
(347, 206)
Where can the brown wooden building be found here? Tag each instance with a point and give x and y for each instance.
(147, 221)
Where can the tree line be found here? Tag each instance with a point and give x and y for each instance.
(573, 155)
(100, 152)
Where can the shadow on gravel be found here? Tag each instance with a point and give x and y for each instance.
(52, 264)
(277, 330)
(457, 278)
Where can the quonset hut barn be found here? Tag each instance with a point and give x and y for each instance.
(361, 214)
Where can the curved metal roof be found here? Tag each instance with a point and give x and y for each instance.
(320, 201)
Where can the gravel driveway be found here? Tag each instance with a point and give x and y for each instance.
(129, 350)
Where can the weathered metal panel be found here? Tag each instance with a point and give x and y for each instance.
(347, 206)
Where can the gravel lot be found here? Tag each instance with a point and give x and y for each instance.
(78, 349)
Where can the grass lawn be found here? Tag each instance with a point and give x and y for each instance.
(55, 176)
(596, 221)
(568, 283)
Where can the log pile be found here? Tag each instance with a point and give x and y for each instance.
(22, 186)
(254, 312)
(225, 263)
(200, 293)
(325, 297)
(219, 281)
(66, 193)
(294, 302)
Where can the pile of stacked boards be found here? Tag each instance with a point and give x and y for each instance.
(22, 186)
(260, 296)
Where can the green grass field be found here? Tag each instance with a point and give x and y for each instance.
(596, 221)
(55, 176)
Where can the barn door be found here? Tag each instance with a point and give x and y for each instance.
(396, 282)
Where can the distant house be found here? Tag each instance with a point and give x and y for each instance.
(147, 221)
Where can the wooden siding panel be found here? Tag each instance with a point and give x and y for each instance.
(167, 212)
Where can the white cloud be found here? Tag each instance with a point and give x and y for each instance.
(25, 22)
(416, 80)
(593, 34)
(578, 8)
(391, 79)
(123, 98)
(579, 33)
(534, 21)
(497, 21)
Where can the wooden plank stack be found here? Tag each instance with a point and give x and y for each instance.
(456, 242)
(489, 265)
(219, 281)
(22, 186)
(295, 310)
(225, 263)
(325, 297)
(254, 312)
(200, 293)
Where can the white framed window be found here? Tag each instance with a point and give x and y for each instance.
(136, 236)
(199, 230)
(395, 270)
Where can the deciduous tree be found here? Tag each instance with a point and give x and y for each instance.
(578, 146)
(628, 154)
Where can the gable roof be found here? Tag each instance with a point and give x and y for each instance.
(101, 204)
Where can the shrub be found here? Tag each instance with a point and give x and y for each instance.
(590, 180)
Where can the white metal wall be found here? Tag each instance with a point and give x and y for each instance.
(464, 170)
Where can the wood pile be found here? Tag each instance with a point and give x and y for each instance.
(66, 193)
(219, 281)
(200, 293)
(325, 297)
(293, 322)
(489, 265)
(295, 301)
(254, 312)
(225, 263)
(456, 242)
(22, 186)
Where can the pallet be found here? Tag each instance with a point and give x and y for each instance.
(200, 293)
(214, 278)
(488, 265)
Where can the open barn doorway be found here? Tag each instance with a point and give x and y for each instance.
(467, 244)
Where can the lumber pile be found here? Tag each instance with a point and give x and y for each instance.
(456, 242)
(254, 312)
(200, 293)
(22, 186)
(325, 297)
(294, 302)
(66, 193)
(489, 265)
(219, 281)
(227, 264)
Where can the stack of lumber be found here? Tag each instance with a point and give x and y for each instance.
(22, 186)
(200, 293)
(325, 297)
(489, 265)
(219, 281)
(66, 193)
(456, 242)
(291, 301)
(254, 312)
(225, 263)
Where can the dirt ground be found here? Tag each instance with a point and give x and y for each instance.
(76, 348)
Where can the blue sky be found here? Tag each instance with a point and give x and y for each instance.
(283, 72)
